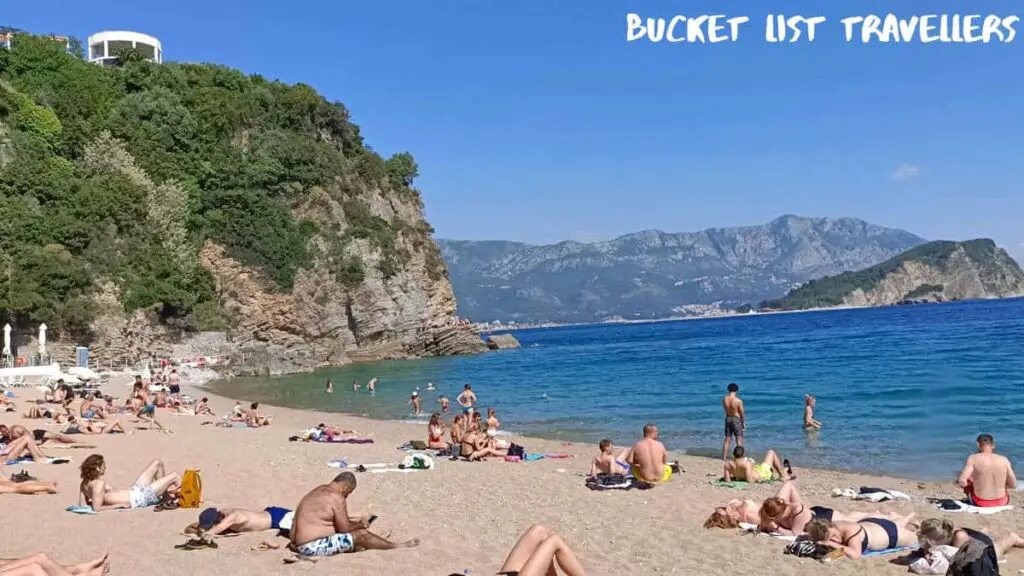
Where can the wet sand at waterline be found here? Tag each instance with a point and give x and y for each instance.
(467, 515)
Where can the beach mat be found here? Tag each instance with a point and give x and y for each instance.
(28, 460)
(950, 505)
(88, 511)
(738, 484)
(895, 550)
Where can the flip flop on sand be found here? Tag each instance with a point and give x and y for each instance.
(264, 546)
(299, 558)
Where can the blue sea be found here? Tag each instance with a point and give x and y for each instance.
(901, 390)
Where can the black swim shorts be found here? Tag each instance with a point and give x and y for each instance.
(733, 426)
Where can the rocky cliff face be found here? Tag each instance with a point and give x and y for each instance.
(959, 276)
(651, 274)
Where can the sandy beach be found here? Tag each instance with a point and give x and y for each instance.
(468, 515)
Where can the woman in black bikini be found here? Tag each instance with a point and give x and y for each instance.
(869, 534)
(540, 552)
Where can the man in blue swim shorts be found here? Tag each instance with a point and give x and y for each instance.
(322, 526)
(215, 521)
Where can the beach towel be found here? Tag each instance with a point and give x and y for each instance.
(935, 562)
(754, 529)
(29, 460)
(739, 484)
(875, 495)
(82, 509)
(950, 505)
(610, 482)
(338, 440)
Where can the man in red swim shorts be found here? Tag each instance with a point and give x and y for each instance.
(987, 477)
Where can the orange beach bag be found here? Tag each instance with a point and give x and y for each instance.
(191, 490)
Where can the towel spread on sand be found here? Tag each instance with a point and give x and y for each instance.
(29, 460)
(80, 509)
(753, 528)
(875, 495)
(740, 484)
(950, 505)
(610, 482)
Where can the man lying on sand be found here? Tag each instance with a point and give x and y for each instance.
(40, 436)
(29, 487)
(538, 552)
(41, 564)
(605, 463)
(743, 468)
(648, 459)
(147, 490)
(16, 448)
(987, 476)
(866, 535)
(322, 527)
(214, 521)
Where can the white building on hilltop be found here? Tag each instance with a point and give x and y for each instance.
(104, 46)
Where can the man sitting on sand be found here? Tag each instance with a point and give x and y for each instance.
(648, 459)
(744, 469)
(322, 527)
(987, 476)
(215, 521)
(253, 417)
(605, 463)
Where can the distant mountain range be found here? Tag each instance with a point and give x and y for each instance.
(651, 274)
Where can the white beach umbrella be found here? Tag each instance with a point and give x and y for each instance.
(42, 339)
(7, 339)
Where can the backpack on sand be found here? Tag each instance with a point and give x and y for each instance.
(191, 490)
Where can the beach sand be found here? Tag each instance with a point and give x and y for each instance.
(468, 515)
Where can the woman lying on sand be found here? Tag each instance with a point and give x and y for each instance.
(41, 564)
(16, 448)
(148, 489)
(540, 552)
(784, 513)
(941, 532)
(865, 535)
(29, 487)
(94, 427)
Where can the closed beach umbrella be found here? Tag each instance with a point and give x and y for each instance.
(42, 339)
(7, 339)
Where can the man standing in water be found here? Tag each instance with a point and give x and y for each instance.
(735, 418)
(987, 476)
(372, 385)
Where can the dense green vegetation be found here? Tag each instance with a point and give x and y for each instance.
(830, 290)
(119, 174)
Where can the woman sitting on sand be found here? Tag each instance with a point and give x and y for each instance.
(866, 535)
(435, 433)
(42, 564)
(148, 489)
(540, 552)
(456, 432)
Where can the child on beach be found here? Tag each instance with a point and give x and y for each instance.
(415, 401)
(809, 422)
(605, 463)
(492, 420)
(443, 401)
(203, 408)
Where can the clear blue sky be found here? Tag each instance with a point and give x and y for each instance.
(537, 121)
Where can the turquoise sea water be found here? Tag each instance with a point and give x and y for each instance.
(901, 390)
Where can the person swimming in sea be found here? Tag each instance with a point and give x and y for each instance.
(330, 386)
(355, 385)
(443, 401)
(810, 424)
(372, 385)
(430, 387)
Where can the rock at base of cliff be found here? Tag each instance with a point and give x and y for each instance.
(502, 342)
